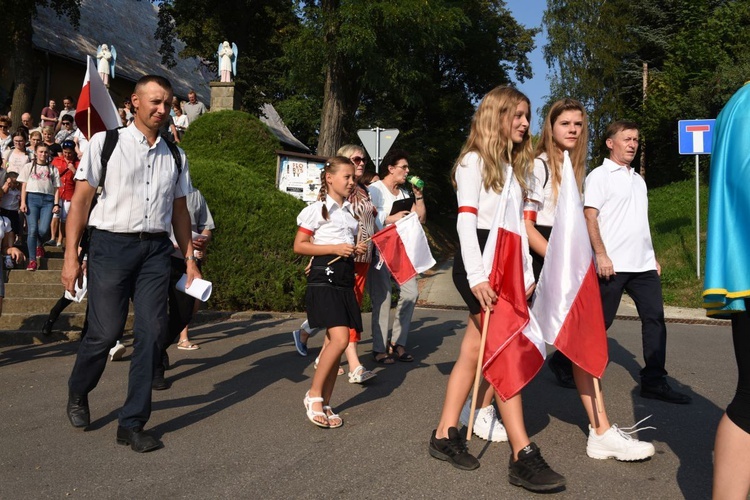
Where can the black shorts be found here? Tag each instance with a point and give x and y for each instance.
(459, 274)
(329, 298)
(537, 260)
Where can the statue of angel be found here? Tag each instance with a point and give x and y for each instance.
(107, 57)
(227, 61)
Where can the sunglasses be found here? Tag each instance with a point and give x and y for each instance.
(66, 123)
(357, 159)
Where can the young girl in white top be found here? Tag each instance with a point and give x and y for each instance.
(566, 129)
(499, 136)
(40, 198)
(327, 230)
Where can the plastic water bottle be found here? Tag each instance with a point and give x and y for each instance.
(416, 182)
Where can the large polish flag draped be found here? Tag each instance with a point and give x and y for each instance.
(95, 111)
(567, 302)
(404, 249)
(514, 350)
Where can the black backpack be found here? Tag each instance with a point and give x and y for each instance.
(110, 141)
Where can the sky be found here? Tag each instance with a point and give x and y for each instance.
(529, 13)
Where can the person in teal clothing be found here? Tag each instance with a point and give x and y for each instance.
(726, 289)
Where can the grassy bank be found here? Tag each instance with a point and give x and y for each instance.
(672, 216)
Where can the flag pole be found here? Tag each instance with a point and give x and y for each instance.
(480, 358)
(598, 395)
(88, 121)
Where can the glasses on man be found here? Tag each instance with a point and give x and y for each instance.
(357, 159)
(66, 123)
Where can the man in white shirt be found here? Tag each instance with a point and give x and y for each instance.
(129, 255)
(616, 211)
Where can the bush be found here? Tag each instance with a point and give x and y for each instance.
(250, 261)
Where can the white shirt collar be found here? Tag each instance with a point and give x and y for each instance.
(613, 167)
(331, 203)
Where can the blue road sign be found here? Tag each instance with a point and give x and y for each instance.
(695, 137)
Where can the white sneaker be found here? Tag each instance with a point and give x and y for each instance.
(117, 352)
(486, 424)
(618, 444)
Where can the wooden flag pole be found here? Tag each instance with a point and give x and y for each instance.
(88, 117)
(598, 395)
(478, 374)
(339, 257)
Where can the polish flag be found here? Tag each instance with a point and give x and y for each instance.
(567, 300)
(514, 350)
(404, 249)
(95, 111)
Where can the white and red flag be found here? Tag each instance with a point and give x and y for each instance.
(95, 111)
(567, 300)
(514, 350)
(404, 249)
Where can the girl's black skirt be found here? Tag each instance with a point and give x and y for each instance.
(459, 274)
(329, 298)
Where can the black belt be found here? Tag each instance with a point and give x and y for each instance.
(140, 236)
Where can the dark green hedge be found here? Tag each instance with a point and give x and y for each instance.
(250, 261)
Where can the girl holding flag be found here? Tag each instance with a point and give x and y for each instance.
(328, 229)
(499, 140)
(565, 129)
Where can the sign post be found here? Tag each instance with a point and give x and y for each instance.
(695, 137)
(377, 141)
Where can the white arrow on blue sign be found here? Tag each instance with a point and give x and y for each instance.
(695, 137)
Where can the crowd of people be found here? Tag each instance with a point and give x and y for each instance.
(497, 156)
(335, 232)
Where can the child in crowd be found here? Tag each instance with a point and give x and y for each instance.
(10, 203)
(327, 230)
(499, 137)
(40, 198)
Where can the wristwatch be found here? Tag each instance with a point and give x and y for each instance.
(191, 257)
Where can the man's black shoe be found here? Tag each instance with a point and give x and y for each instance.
(159, 383)
(663, 392)
(138, 439)
(47, 328)
(562, 369)
(453, 449)
(78, 410)
(532, 472)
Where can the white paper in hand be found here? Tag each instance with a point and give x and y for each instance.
(200, 289)
(80, 291)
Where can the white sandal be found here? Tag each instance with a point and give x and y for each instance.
(311, 414)
(185, 345)
(326, 409)
(360, 375)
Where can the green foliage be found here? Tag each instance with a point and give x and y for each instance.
(250, 260)
(697, 52)
(672, 217)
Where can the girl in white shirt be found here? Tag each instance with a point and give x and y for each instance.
(566, 129)
(327, 230)
(499, 136)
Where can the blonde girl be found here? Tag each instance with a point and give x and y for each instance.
(327, 230)
(499, 136)
(566, 129)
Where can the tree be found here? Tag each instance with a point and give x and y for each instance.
(258, 27)
(17, 35)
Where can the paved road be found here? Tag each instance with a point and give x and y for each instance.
(234, 426)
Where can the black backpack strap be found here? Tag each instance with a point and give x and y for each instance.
(546, 173)
(177, 157)
(110, 141)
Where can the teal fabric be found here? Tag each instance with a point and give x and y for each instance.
(727, 275)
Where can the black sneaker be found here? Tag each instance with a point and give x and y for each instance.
(453, 450)
(562, 368)
(47, 328)
(532, 472)
(662, 391)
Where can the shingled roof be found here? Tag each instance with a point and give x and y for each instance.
(129, 25)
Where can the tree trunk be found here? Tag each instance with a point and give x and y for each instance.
(21, 46)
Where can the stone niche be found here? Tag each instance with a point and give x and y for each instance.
(223, 96)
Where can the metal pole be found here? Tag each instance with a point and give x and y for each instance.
(697, 220)
(377, 148)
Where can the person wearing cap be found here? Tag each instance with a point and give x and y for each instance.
(66, 165)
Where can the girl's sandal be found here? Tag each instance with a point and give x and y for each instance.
(185, 345)
(334, 421)
(311, 414)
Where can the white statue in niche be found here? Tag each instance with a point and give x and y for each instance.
(107, 58)
(227, 61)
